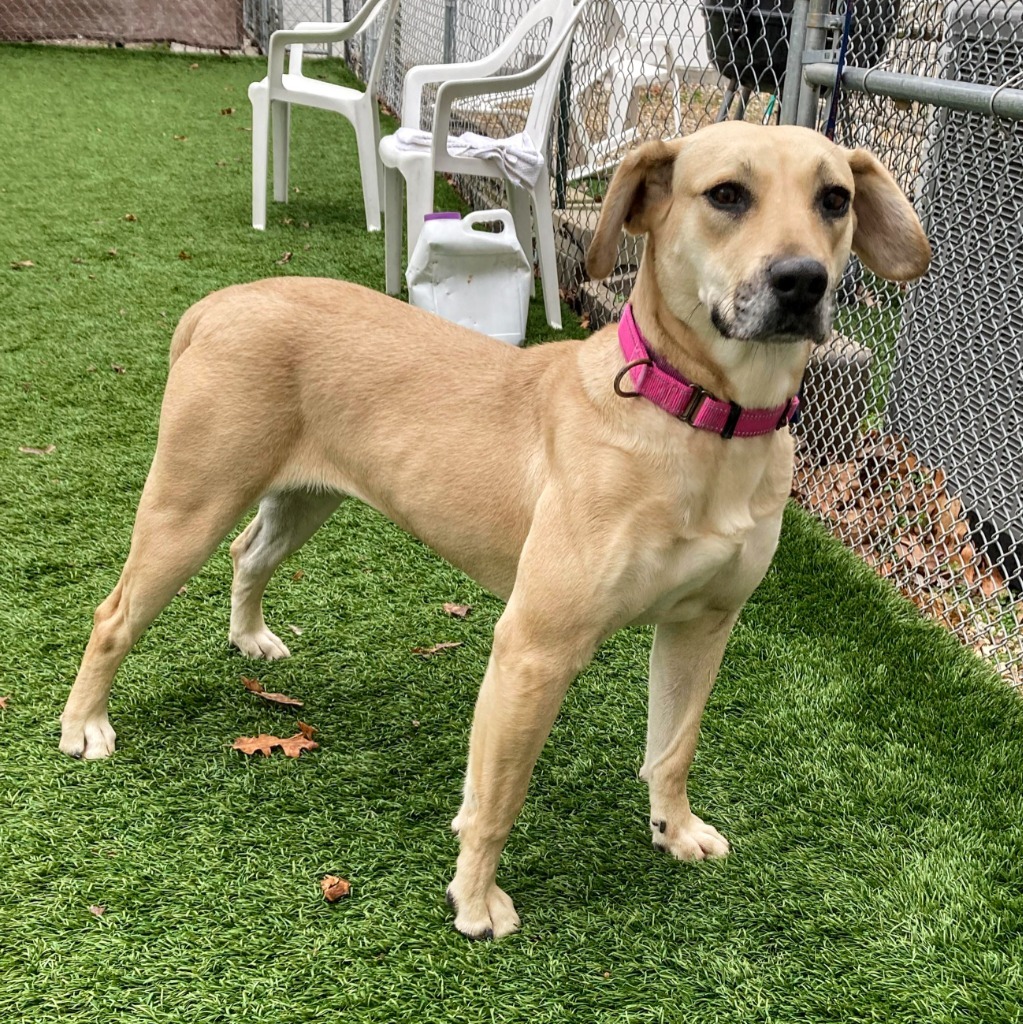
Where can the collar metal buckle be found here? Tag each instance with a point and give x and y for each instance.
(693, 405)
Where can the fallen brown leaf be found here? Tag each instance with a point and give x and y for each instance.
(294, 745)
(184, 255)
(306, 730)
(97, 910)
(193, 67)
(28, 450)
(256, 687)
(3, 703)
(297, 630)
(334, 888)
(180, 138)
(291, 746)
(22, 264)
(130, 216)
(297, 575)
(459, 611)
(428, 652)
(117, 368)
(227, 110)
(285, 258)
(261, 744)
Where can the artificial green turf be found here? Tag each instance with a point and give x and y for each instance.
(866, 769)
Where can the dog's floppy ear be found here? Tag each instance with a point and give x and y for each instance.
(641, 185)
(888, 237)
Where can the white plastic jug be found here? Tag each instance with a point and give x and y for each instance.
(479, 279)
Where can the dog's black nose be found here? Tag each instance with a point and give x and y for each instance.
(798, 283)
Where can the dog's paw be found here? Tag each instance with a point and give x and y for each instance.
(692, 840)
(90, 739)
(260, 644)
(492, 917)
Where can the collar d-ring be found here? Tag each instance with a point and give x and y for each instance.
(623, 371)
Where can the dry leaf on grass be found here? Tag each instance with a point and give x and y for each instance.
(256, 687)
(334, 888)
(3, 703)
(97, 910)
(459, 611)
(428, 652)
(297, 630)
(130, 217)
(285, 258)
(306, 730)
(264, 743)
(294, 745)
(227, 110)
(21, 264)
(48, 450)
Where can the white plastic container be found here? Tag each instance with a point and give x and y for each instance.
(479, 279)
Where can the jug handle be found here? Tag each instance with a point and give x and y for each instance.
(489, 217)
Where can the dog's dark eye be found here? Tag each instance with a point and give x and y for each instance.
(835, 201)
(729, 196)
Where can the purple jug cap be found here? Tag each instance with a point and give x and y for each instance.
(443, 215)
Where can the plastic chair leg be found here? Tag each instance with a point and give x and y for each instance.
(369, 164)
(280, 115)
(419, 192)
(518, 200)
(544, 220)
(260, 143)
(393, 194)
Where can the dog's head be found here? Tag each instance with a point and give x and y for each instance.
(749, 228)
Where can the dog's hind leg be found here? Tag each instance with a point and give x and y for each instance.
(176, 530)
(285, 521)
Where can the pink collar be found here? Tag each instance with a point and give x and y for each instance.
(689, 402)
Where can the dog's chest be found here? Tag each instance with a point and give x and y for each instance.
(720, 543)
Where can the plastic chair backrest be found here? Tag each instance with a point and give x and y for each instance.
(362, 22)
(564, 16)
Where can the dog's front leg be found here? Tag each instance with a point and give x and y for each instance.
(683, 666)
(524, 685)
(554, 621)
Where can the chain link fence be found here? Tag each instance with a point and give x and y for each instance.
(911, 446)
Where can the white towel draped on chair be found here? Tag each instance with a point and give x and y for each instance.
(518, 158)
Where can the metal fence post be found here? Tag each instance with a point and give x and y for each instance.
(564, 93)
(794, 84)
(816, 37)
(450, 27)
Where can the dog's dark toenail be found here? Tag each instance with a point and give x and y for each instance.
(78, 754)
(450, 900)
(484, 936)
(661, 847)
(662, 827)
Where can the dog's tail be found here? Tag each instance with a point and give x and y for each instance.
(184, 331)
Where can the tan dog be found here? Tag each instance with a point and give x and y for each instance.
(585, 511)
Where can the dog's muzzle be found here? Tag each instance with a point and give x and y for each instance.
(788, 301)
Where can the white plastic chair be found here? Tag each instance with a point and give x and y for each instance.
(273, 96)
(619, 61)
(415, 169)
